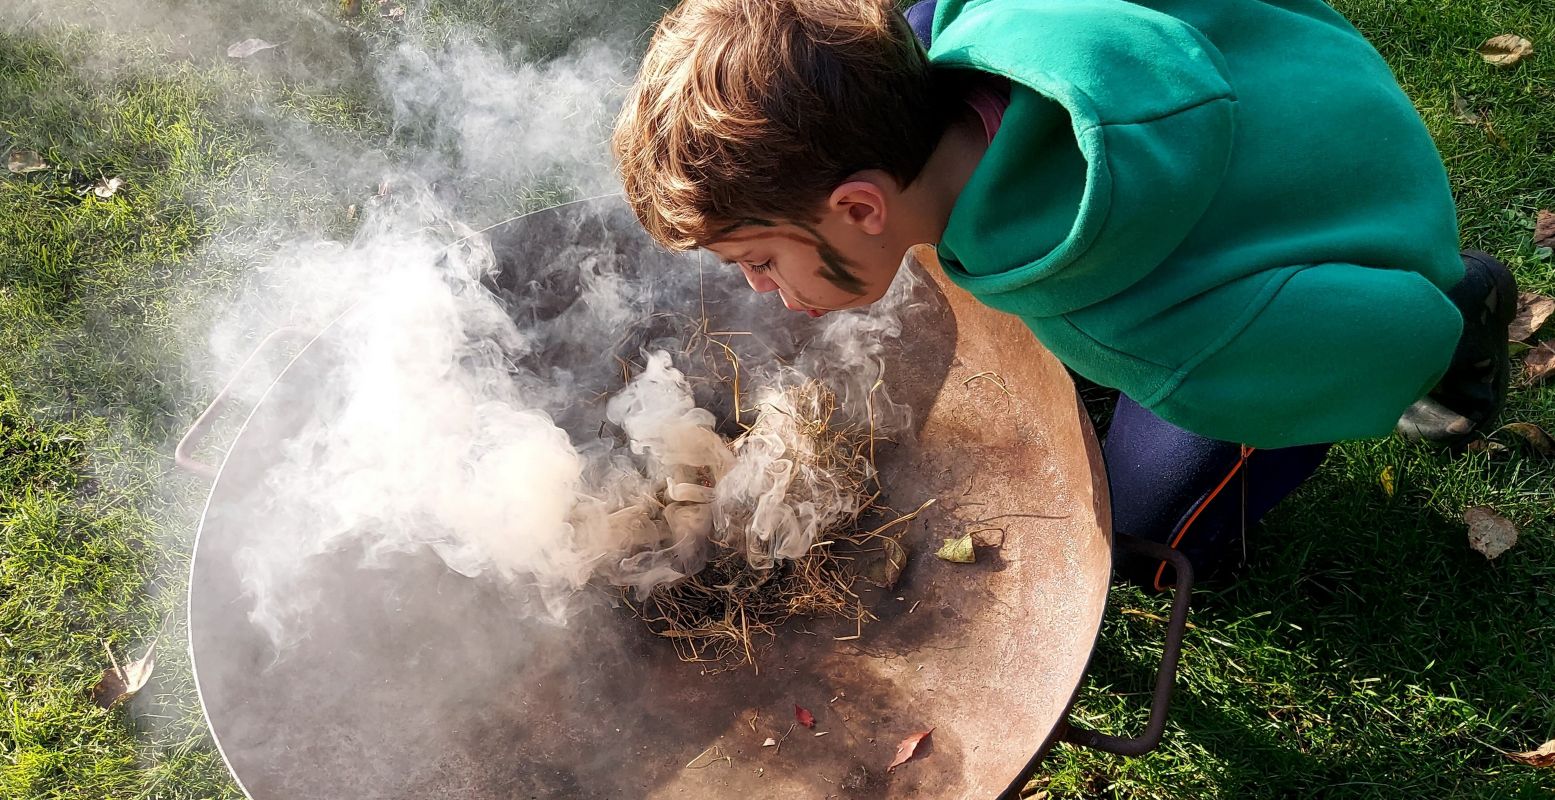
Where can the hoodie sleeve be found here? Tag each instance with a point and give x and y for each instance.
(1244, 389)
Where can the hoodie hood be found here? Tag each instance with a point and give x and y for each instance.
(1103, 95)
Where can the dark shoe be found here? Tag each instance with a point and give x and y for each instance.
(1473, 391)
(1430, 421)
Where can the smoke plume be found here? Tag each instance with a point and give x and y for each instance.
(520, 397)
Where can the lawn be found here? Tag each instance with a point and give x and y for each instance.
(1364, 651)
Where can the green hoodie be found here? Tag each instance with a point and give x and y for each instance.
(1227, 209)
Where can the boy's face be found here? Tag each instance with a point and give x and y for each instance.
(845, 260)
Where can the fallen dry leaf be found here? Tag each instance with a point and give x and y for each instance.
(1490, 534)
(958, 551)
(22, 162)
(1505, 50)
(905, 750)
(1539, 363)
(1462, 110)
(1533, 310)
(248, 47)
(1544, 229)
(1386, 479)
(804, 716)
(107, 188)
(119, 684)
(1486, 446)
(884, 567)
(350, 8)
(770, 742)
(1537, 438)
(1543, 757)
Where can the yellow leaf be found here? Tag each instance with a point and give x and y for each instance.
(1386, 479)
(958, 551)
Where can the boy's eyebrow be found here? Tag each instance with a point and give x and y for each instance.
(834, 266)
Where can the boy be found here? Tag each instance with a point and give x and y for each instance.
(1229, 211)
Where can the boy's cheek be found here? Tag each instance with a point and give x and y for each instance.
(760, 283)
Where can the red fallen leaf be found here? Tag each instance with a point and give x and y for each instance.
(1543, 757)
(804, 716)
(905, 750)
(1544, 229)
(1539, 363)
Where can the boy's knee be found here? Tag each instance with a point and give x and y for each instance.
(921, 17)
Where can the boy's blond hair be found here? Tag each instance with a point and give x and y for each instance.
(752, 111)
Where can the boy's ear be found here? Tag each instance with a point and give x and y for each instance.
(861, 202)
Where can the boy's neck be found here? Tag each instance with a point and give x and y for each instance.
(933, 195)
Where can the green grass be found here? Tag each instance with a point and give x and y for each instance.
(94, 533)
(1366, 651)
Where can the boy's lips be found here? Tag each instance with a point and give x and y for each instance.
(804, 309)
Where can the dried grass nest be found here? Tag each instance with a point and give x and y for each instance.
(720, 614)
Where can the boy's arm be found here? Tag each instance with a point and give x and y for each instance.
(1291, 376)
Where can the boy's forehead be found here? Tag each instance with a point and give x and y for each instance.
(726, 252)
(745, 238)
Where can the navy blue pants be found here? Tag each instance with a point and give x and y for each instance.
(1168, 485)
(1198, 495)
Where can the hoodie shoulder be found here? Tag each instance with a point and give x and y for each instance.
(1074, 51)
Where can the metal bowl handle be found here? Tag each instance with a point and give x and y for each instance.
(1166, 677)
(183, 455)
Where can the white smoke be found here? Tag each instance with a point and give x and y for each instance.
(473, 390)
(441, 428)
(516, 125)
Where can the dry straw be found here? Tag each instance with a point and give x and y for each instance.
(722, 614)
